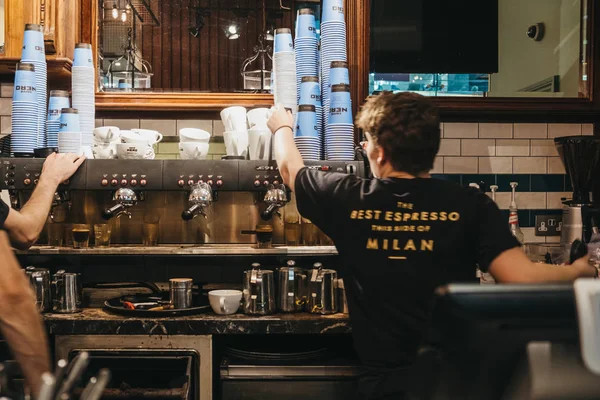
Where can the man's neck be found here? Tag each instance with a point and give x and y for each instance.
(404, 175)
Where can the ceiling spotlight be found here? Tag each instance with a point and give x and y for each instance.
(124, 16)
(232, 32)
(115, 11)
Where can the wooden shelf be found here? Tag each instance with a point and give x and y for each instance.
(59, 70)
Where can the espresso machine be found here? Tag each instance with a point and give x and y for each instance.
(581, 157)
(193, 201)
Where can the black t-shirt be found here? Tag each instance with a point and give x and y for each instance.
(3, 213)
(398, 240)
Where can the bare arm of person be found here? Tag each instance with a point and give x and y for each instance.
(20, 323)
(513, 266)
(289, 160)
(24, 226)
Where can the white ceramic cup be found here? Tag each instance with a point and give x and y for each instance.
(236, 143)
(234, 118)
(193, 135)
(193, 150)
(132, 151)
(225, 302)
(152, 136)
(106, 151)
(258, 118)
(106, 134)
(259, 143)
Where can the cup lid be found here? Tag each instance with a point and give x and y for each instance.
(34, 27)
(310, 79)
(306, 108)
(340, 88)
(59, 93)
(306, 11)
(25, 67)
(339, 64)
(69, 111)
(281, 31)
(83, 46)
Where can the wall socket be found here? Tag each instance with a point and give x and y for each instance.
(548, 225)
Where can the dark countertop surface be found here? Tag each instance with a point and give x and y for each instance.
(97, 321)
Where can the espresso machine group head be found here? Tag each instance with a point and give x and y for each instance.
(200, 199)
(580, 156)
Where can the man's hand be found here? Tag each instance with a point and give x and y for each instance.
(584, 269)
(280, 117)
(60, 167)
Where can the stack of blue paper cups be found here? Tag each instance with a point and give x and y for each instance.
(310, 93)
(284, 69)
(24, 112)
(306, 45)
(69, 135)
(82, 81)
(333, 42)
(34, 53)
(339, 131)
(59, 99)
(306, 134)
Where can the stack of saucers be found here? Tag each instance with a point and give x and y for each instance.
(34, 53)
(307, 136)
(333, 42)
(339, 132)
(82, 81)
(306, 46)
(310, 93)
(284, 67)
(24, 111)
(59, 99)
(69, 135)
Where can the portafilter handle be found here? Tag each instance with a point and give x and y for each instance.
(115, 211)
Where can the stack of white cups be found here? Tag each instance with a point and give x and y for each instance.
(59, 99)
(259, 135)
(34, 53)
(236, 131)
(193, 144)
(106, 139)
(82, 81)
(284, 68)
(69, 135)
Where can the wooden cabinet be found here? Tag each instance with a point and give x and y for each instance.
(62, 29)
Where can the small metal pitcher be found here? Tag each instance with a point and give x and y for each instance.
(322, 295)
(40, 283)
(259, 296)
(291, 288)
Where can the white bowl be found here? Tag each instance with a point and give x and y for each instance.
(106, 134)
(193, 135)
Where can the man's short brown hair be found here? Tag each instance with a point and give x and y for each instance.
(406, 126)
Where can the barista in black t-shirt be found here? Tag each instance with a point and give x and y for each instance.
(402, 234)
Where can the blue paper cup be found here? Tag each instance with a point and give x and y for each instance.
(340, 94)
(69, 120)
(333, 10)
(310, 91)
(25, 84)
(33, 44)
(307, 122)
(83, 55)
(283, 40)
(340, 112)
(338, 74)
(306, 26)
(59, 99)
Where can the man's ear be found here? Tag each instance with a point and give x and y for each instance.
(381, 156)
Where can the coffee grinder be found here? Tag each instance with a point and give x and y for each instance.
(581, 157)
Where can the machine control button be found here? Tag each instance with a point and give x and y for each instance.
(266, 183)
(104, 182)
(114, 182)
(35, 182)
(191, 182)
(27, 181)
(210, 182)
(124, 182)
(12, 166)
(143, 182)
(11, 174)
(219, 183)
(11, 182)
(134, 182)
(180, 183)
(257, 183)
(275, 182)
(200, 182)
